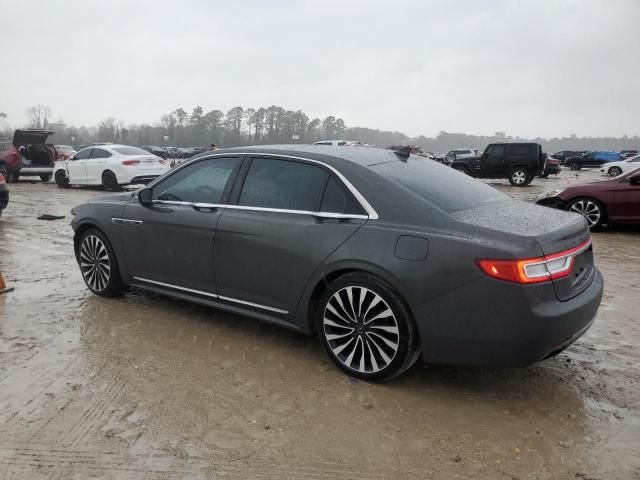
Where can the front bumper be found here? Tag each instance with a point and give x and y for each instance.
(553, 202)
(498, 324)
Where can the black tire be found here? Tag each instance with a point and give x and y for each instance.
(574, 166)
(544, 175)
(109, 181)
(61, 179)
(378, 362)
(45, 178)
(588, 207)
(98, 264)
(12, 177)
(3, 171)
(519, 177)
(615, 171)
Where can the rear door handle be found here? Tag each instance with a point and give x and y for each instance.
(204, 207)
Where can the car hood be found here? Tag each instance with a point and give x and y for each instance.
(554, 230)
(30, 136)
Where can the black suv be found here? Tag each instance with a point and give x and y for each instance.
(519, 162)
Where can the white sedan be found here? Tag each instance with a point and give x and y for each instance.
(110, 166)
(623, 166)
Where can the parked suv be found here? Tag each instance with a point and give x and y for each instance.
(519, 162)
(461, 153)
(28, 154)
(592, 159)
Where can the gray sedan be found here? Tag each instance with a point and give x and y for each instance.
(386, 258)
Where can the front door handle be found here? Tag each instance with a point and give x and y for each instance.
(204, 207)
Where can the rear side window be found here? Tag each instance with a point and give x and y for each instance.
(200, 182)
(131, 151)
(442, 186)
(519, 150)
(283, 184)
(337, 199)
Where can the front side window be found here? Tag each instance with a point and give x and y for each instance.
(83, 154)
(496, 151)
(131, 151)
(283, 184)
(200, 182)
(100, 153)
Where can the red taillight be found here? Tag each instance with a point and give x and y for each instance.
(130, 162)
(534, 270)
(2, 180)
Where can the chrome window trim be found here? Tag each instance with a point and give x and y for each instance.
(343, 216)
(371, 213)
(213, 295)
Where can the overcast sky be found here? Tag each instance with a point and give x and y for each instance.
(529, 68)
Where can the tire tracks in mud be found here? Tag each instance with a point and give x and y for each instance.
(58, 461)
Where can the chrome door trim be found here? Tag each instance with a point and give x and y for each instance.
(251, 304)
(169, 285)
(213, 295)
(371, 213)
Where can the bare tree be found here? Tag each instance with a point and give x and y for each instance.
(38, 115)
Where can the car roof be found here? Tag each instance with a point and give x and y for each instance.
(331, 155)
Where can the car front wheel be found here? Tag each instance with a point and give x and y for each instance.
(519, 177)
(591, 209)
(98, 264)
(574, 166)
(61, 179)
(615, 171)
(366, 329)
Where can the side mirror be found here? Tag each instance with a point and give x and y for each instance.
(145, 196)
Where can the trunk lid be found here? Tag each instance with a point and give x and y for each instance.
(554, 231)
(30, 137)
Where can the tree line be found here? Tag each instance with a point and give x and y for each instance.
(276, 125)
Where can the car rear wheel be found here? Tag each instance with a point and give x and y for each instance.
(574, 166)
(366, 329)
(615, 171)
(98, 264)
(61, 179)
(45, 178)
(12, 177)
(590, 208)
(519, 177)
(110, 182)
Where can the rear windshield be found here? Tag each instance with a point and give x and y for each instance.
(131, 151)
(442, 186)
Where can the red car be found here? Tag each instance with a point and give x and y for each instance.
(611, 201)
(28, 154)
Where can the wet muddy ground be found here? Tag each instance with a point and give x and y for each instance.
(144, 387)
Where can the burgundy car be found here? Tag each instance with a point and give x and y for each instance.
(28, 154)
(615, 201)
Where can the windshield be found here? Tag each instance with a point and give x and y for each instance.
(444, 187)
(130, 151)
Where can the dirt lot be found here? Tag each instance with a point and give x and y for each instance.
(146, 387)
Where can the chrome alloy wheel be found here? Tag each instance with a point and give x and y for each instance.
(588, 210)
(361, 329)
(94, 263)
(519, 177)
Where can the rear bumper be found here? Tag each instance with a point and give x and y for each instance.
(497, 324)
